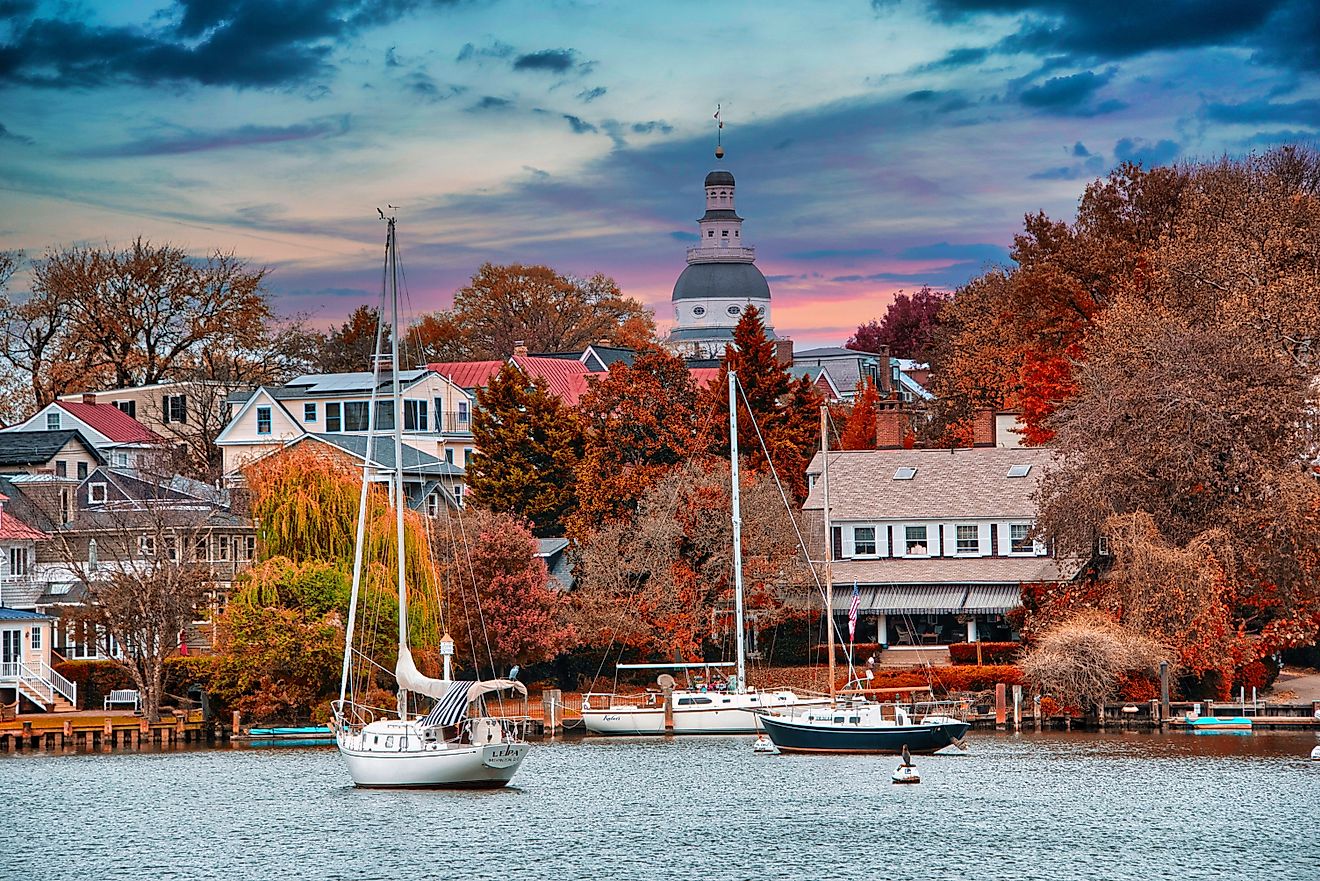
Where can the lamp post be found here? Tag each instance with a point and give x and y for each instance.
(447, 652)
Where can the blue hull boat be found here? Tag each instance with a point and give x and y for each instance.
(805, 735)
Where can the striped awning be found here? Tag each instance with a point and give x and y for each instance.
(901, 598)
(451, 708)
(939, 599)
(992, 598)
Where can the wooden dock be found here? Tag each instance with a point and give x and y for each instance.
(106, 730)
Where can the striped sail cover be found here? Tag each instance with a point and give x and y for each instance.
(452, 708)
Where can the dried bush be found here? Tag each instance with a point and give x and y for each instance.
(1083, 660)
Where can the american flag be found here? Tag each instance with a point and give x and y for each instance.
(852, 612)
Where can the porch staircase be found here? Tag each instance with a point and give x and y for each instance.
(43, 686)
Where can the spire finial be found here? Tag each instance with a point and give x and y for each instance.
(719, 130)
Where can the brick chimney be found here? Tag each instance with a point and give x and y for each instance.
(89, 397)
(983, 428)
(892, 426)
(520, 348)
(784, 352)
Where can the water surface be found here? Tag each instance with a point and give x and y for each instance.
(1049, 806)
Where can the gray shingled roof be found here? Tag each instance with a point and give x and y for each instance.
(21, 448)
(721, 281)
(946, 570)
(414, 460)
(315, 385)
(948, 483)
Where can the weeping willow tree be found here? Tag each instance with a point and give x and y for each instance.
(282, 640)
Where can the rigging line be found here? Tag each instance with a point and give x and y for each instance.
(774, 472)
(481, 615)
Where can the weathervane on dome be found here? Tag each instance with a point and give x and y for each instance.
(719, 130)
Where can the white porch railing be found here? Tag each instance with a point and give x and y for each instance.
(42, 683)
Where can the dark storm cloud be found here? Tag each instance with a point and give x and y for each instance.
(1118, 28)
(579, 126)
(7, 135)
(240, 43)
(222, 139)
(1071, 95)
(547, 60)
(1306, 112)
(490, 102)
(956, 58)
(1146, 153)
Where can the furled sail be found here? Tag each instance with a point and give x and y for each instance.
(411, 679)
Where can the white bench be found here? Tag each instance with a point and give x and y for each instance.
(124, 696)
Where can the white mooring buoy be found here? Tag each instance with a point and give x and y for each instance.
(763, 744)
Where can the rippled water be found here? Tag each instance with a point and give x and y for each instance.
(1032, 806)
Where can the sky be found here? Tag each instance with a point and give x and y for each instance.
(878, 146)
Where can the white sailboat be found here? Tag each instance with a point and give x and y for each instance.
(446, 747)
(731, 708)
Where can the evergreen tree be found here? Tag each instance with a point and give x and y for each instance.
(528, 443)
(859, 431)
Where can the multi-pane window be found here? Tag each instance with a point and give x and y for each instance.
(147, 545)
(220, 549)
(36, 639)
(53, 420)
(458, 494)
(414, 415)
(463, 412)
(969, 538)
(176, 408)
(309, 411)
(356, 414)
(864, 541)
(915, 544)
(202, 550)
(263, 420)
(244, 547)
(1020, 538)
(18, 562)
(333, 417)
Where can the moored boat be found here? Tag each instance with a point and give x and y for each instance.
(861, 728)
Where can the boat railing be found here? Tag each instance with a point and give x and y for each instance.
(603, 700)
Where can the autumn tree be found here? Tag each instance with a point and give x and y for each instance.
(1081, 661)
(659, 581)
(349, 347)
(548, 312)
(859, 433)
(528, 444)
(907, 329)
(140, 315)
(785, 411)
(640, 420)
(502, 608)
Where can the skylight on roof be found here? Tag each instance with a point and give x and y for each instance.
(1019, 470)
(905, 473)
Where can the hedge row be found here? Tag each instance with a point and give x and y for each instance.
(991, 652)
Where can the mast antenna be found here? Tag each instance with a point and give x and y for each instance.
(719, 133)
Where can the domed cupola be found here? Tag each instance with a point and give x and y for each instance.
(721, 279)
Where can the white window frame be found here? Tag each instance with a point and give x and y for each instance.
(907, 541)
(873, 542)
(1009, 544)
(18, 562)
(53, 420)
(93, 491)
(36, 638)
(146, 545)
(958, 548)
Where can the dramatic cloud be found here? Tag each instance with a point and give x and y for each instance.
(1263, 110)
(1071, 94)
(243, 136)
(548, 60)
(1145, 152)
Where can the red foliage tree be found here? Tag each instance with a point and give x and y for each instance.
(907, 328)
(859, 431)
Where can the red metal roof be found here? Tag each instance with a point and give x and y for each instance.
(112, 422)
(565, 378)
(704, 376)
(13, 529)
(468, 374)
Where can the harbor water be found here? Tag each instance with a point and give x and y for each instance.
(1047, 806)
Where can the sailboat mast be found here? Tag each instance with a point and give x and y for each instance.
(736, 511)
(829, 544)
(397, 399)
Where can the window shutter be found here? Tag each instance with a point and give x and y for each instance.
(165, 409)
(183, 409)
(837, 541)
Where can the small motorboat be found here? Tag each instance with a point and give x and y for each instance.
(1218, 723)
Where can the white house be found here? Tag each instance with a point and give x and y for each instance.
(938, 542)
(437, 416)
